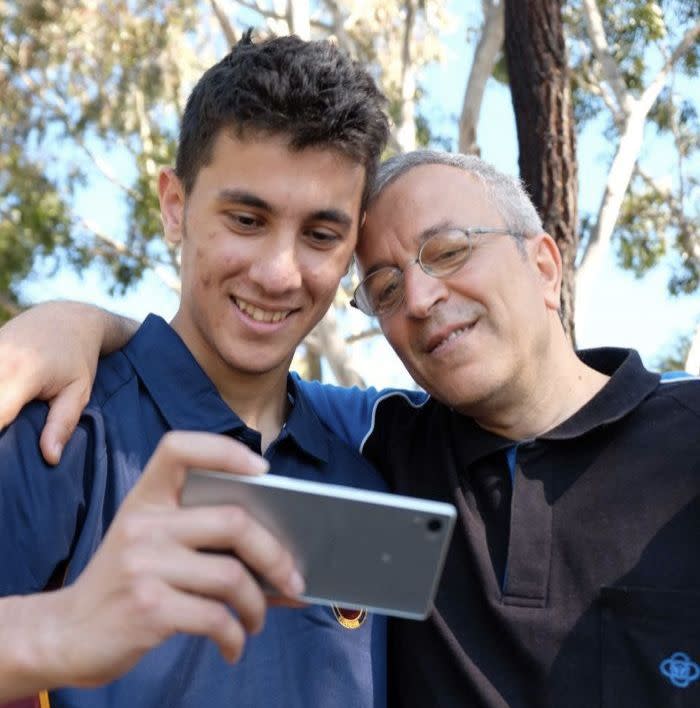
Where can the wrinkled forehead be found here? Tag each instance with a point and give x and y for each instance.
(419, 200)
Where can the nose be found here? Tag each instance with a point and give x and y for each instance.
(276, 269)
(422, 292)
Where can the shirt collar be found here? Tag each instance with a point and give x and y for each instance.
(188, 399)
(184, 394)
(304, 425)
(629, 384)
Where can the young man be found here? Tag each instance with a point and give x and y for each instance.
(573, 580)
(277, 146)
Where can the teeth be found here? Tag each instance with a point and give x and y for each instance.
(260, 315)
(449, 337)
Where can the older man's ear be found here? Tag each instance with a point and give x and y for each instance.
(547, 261)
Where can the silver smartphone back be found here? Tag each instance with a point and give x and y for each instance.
(355, 548)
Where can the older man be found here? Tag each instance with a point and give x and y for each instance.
(574, 578)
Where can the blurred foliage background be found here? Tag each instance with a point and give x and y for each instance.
(94, 90)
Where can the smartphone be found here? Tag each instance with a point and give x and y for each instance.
(355, 548)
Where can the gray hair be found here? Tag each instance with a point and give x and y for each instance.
(507, 194)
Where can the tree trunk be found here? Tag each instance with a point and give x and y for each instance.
(299, 18)
(617, 182)
(325, 340)
(226, 27)
(406, 131)
(539, 82)
(631, 118)
(485, 55)
(314, 372)
(692, 363)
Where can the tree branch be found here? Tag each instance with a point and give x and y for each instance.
(226, 27)
(338, 26)
(652, 91)
(366, 334)
(489, 44)
(145, 133)
(684, 45)
(673, 204)
(623, 164)
(61, 112)
(298, 18)
(324, 339)
(255, 6)
(592, 82)
(9, 305)
(406, 131)
(324, 26)
(692, 363)
(601, 50)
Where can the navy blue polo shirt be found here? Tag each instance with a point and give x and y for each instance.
(53, 519)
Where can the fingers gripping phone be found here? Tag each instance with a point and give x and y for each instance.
(355, 548)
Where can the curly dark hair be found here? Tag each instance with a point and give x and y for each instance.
(310, 92)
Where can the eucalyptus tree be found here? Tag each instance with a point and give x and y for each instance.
(540, 88)
(634, 61)
(631, 66)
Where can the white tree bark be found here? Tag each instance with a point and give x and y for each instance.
(299, 18)
(338, 26)
(226, 26)
(11, 307)
(631, 119)
(618, 180)
(485, 54)
(406, 133)
(601, 51)
(325, 340)
(692, 363)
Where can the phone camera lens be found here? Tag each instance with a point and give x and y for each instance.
(434, 525)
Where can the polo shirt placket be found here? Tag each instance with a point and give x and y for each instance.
(578, 585)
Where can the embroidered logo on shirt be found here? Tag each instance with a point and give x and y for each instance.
(350, 619)
(680, 669)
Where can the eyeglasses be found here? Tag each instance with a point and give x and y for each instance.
(441, 255)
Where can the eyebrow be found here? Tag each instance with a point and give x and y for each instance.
(240, 196)
(423, 236)
(444, 225)
(335, 215)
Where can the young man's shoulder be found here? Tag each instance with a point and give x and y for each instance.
(42, 505)
(353, 413)
(114, 372)
(348, 467)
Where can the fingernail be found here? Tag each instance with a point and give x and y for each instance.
(57, 449)
(296, 583)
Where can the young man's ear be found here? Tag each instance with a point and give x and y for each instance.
(548, 263)
(172, 204)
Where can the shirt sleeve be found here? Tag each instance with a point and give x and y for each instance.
(350, 412)
(40, 506)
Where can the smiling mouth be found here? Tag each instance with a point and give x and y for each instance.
(258, 314)
(452, 335)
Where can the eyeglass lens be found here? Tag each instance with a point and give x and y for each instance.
(441, 255)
